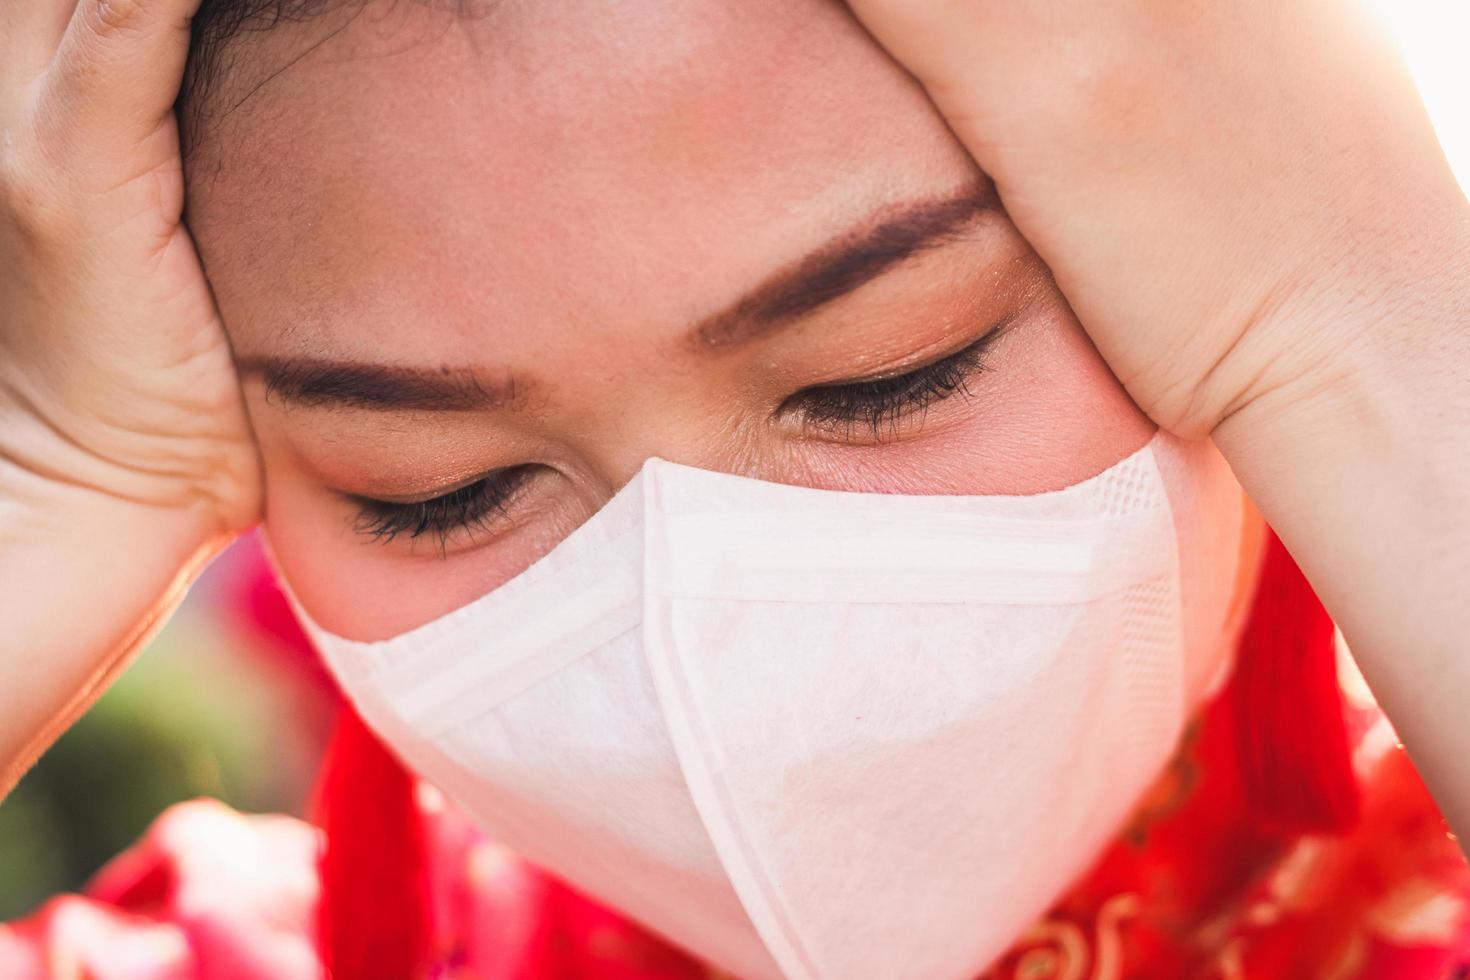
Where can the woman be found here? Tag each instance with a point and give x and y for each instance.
(683, 443)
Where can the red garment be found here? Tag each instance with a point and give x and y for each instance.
(1190, 889)
(1195, 887)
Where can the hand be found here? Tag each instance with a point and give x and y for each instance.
(115, 375)
(1245, 204)
(125, 457)
(1231, 194)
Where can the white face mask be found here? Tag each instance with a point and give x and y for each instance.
(823, 734)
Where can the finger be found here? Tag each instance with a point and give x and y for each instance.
(30, 31)
(119, 68)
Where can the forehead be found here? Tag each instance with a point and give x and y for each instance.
(539, 171)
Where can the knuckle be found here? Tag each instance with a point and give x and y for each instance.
(115, 17)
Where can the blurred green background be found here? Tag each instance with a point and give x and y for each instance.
(216, 706)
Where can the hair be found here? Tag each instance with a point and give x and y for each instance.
(216, 23)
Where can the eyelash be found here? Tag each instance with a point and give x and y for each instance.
(471, 507)
(879, 404)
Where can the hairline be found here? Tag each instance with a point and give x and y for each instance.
(217, 24)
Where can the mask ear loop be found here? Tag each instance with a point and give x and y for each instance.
(373, 916)
(1295, 760)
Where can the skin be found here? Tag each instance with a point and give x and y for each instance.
(350, 212)
(1296, 281)
(1203, 240)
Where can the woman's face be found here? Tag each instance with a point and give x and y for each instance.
(508, 257)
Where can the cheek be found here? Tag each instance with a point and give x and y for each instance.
(365, 590)
(1236, 595)
(1220, 538)
(1068, 418)
(342, 580)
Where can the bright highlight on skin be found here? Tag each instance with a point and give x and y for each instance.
(1433, 35)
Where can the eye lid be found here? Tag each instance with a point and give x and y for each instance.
(878, 403)
(894, 377)
(424, 496)
(441, 490)
(934, 356)
(464, 508)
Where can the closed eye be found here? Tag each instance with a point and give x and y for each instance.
(875, 407)
(474, 506)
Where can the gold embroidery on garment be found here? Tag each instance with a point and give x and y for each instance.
(1063, 951)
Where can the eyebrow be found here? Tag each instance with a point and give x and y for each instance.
(310, 382)
(844, 264)
(862, 254)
